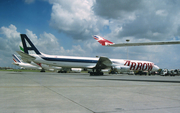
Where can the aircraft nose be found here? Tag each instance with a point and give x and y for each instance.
(155, 68)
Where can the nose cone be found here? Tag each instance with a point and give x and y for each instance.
(155, 68)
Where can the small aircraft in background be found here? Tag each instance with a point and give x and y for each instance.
(32, 65)
(95, 64)
(105, 42)
(21, 64)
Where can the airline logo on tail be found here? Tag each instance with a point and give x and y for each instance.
(24, 38)
(102, 41)
(16, 59)
(21, 48)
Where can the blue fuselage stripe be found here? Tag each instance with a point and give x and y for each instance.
(16, 58)
(70, 60)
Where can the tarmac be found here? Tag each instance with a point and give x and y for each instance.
(35, 92)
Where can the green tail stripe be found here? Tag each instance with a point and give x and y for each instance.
(21, 48)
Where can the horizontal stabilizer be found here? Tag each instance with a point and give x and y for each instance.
(26, 56)
(16, 64)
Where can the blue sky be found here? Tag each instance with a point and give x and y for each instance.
(65, 27)
(35, 15)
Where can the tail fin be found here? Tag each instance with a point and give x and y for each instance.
(102, 41)
(16, 59)
(25, 39)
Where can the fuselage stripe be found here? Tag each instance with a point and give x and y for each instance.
(69, 60)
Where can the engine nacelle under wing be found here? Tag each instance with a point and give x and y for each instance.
(121, 68)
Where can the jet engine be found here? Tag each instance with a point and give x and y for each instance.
(121, 68)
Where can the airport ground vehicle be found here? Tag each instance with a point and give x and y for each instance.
(164, 72)
(172, 72)
(131, 73)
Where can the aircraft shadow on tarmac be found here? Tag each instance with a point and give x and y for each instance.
(164, 81)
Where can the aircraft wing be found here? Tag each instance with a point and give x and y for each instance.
(144, 44)
(105, 42)
(26, 57)
(103, 63)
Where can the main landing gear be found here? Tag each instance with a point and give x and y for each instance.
(98, 72)
(42, 70)
(61, 71)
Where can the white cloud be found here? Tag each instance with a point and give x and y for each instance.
(154, 20)
(10, 32)
(10, 37)
(32, 36)
(9, 43)
(76, 18)
(48, 44)
(161, 13)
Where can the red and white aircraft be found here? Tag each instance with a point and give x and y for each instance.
(134, 65)
(105, 42)
(95, 64)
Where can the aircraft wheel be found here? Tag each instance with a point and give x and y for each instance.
(91, 73)
(59, 71)
(42, 71)
(96, 73)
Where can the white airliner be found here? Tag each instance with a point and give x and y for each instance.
(96, 64)
(105, 42)
(21, 64)
(53, 68)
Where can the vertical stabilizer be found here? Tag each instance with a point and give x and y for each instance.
(102, 41)
(25, 40)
